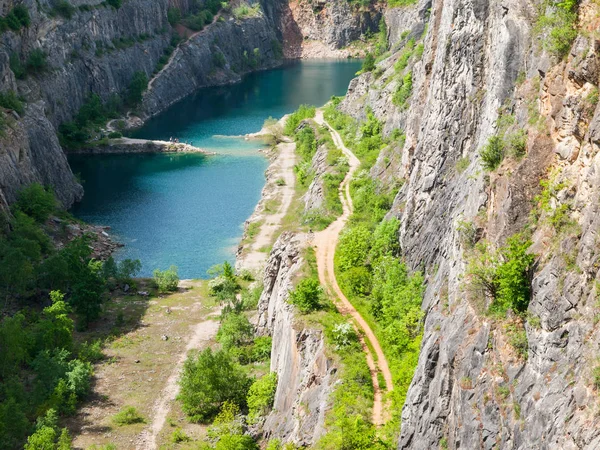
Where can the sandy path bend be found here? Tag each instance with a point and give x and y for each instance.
(203, 332)
(325, 243)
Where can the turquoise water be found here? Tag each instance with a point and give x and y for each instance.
(189, 210)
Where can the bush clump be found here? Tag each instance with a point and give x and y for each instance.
(492, 154)
(261, 396)
(308, 295)
(303, 112)
(128, 416)
(166, 280)
(209, 379)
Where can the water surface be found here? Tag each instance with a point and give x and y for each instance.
(189, 210)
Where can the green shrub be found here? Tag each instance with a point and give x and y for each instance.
(557, 26)
(261, 396)
(492, 153)
(368, 64)
(307, 296)
(517, 338)
(403, 91)
(115, 3)
(596, 377)
(167, 280)
(219, 59)
(36, 61)
(9, 100)
(261, 350)
(115, 135)
(174, 15)
(179, 436)
(235, 331)
(91, 351)
(16, 66)
(303, 112)
(36, 202)
(208, 380)
(64, 8)
(503, 275)
(128, 416)
(137, 86)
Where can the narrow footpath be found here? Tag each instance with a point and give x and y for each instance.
(325, 243)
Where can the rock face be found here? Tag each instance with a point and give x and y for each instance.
(471, 389)
(240, 46)
(328, 26)
(30, 153)
(305, 374)
(98, 50)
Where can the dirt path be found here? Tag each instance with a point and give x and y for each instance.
(254, 257)
(325, 243)
(203, 332)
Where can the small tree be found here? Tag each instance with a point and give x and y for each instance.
(261, 396)
(208, 380)
(36, 202)
(492, 153)
(166, 281)
(308, 295)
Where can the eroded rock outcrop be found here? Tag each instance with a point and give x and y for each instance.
(471, 389)
(305, 373)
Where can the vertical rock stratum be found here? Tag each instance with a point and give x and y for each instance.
(483, 62)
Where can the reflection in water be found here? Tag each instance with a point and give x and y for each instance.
(188, 209)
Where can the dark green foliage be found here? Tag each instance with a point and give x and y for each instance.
(303, 112)
(36, 61)
(115, 3)
(166, 280)
(492, 154)
(308, 295)
(122, 273)
(22, 14)
(64, 8)
(403, 91)
(36, 354)
(115, 135)
(17, 18)
(208, 380)
(557, 25)
(137, 86)
(503, 275)
(368, 64)
(16, 66)
(235, 331)
(174, 15)
(219, 59)
(9, 100)
(36, 202)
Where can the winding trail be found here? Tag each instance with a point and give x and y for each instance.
(325, 243)
(202, 334)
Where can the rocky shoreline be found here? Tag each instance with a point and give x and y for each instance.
(128, 145)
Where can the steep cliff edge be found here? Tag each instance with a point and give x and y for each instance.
(484, 68)
(306, 373)
(328, 28)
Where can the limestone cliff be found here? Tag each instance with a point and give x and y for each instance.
(328, 27)
(481, 59)
(306, 374)
(98, 50)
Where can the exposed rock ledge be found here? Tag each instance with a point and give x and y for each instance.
(306, 375)
(127, 145)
